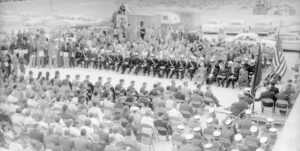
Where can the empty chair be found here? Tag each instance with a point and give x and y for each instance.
(282, 107)
(186, 114)
(162, 131)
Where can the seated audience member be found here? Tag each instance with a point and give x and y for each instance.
(238, 107)
(273, 88)
(209, 94)
(161, 122)
(267, 95)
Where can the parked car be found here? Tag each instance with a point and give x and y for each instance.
(262, 28)
(235, 27)
(289, 41)
(212, 26)
(245, 38)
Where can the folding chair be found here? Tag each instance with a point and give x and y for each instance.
(268, 101)
(282, 105)
(197, 105)
(161, 130)
(147, 140)
(186, 114)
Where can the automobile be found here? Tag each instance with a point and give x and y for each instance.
(235, 27)
(262, 28)
(285, 8)
(289, 41)
(169, 18)
(245, 38)
(212, 26)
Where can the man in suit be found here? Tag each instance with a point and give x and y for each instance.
(267, 94)
(174, 68)
(222, 75)
(209, 94)
(273, 88)
(126, 64)
(233, 74)
(238, 107)
(212, 72)
(228, 130)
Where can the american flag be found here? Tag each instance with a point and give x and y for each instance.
(279, 62)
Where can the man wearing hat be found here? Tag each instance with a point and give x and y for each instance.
(238, 143)
(267, 126)
(245, 124)
(195, 122)
(228, 130)
(189, 146)
(251, 140)
(210, 126)
(238, 107)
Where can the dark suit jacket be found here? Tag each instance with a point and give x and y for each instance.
(267, 94)
(274, 89)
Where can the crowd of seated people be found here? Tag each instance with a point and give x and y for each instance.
(181, 54)
(54, 113)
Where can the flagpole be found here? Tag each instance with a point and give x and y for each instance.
(256, 76)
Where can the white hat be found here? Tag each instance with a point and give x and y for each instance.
(228, 122)
(197, 129)
(270, 120)
(253, 129)
(273, 130)
(259, 149)
(235, 149)
(181, 127)
(238, 137)
(197, 117)
(209, 120)
(211, 110)
(248, 111)
(189, 137)
(208, 145)
(263, 140)
(217, 133)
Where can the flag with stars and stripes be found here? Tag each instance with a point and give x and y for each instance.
(279, 62)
